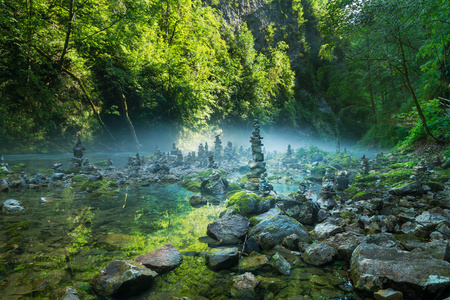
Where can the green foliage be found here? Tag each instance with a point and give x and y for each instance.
(438, 122)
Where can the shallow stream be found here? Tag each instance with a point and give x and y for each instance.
(64, 240)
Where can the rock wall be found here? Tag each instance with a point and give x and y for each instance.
(259, 15)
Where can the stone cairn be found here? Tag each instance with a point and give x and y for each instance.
(3, 165)
(289, 161)
(218, 148)
(257, 166)
(364, 165)
(228, 152)
(77, 159)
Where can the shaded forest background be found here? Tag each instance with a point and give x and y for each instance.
(373, 71)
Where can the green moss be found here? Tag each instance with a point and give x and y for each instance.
(407, 237)
(244, 202)
(100, 187)
(351, 190)
(347, 215)
(207, 173)
(79, 178)
(192, 185)
(101, 163)
(234, 186)
(46, 172)
(18, 168)
(74, 170)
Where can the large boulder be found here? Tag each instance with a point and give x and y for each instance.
(230, 229)
(249, 204)
(411, 189)
(305, 211)
(122, 278)
(161, 260)
(223, 259)
(416, 274)
(12, 207)
(272, 231)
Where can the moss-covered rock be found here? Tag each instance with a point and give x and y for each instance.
(192, 185)
(248, 204)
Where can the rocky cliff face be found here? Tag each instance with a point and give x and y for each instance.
(259, 16)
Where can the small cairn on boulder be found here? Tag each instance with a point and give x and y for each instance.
(289, 161)
(3, 165)
(258, 166)
(364, 165)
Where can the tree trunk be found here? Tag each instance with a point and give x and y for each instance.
(69, 31)
(369, 70)
(128, 121)
(405, 74)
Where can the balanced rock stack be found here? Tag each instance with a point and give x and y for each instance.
(257, 166)
(218, 148)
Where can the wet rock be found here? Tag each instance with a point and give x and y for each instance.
(388, 294)
(162, 260)
(67, 293)
(223, 259)
(270, 213)
(272, 231)
(169, 178)
(434, 217)
(319, 254)
(271, 284)
(326, 203)
(438, 249)
(304, 211)
(197, 200)
(255, 262)
(58, 176)
(345, 243)
(281, 264)
(3, 185)
(244, 286)
(413, 189)
(324, 230)
(230, 229)
(291, 242)
(250, 245)
(249, 204)
(416, 274)
(12, 207)
(386, 240)
(122, 278)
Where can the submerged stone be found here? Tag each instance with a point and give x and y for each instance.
(223, 259)
(162, 260)
(122, 278)
(244, 286)
(12, 207)
(67, 293)
(281, 264)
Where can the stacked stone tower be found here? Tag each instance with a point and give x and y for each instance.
(257, 166)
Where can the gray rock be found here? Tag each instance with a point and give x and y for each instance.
(416, 275)
(304, 211)
(12, 207)
(223, 259)
(326, 203)
(244, 286)
(413, 189)
(57, 176)
(3, 185)
(275, 229)
(434, 217)
(324, 230)
(319, 254)
(281, 264)
(122, 278)
(67, 293)
(162, 260)
(270, 213)
(255, 262)
(291, 242)
(230, 229)
(438, 249)
(197, 200)
(345, 243)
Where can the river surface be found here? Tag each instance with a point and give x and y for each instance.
(65, 238)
